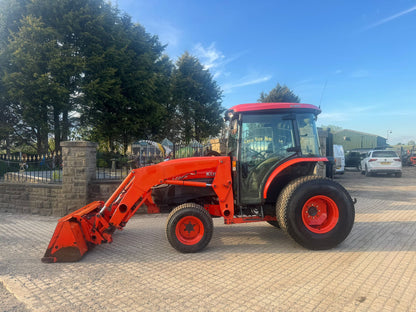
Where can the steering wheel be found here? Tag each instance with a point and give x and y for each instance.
(253, 154)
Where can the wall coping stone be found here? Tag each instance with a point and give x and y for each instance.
(79, 144)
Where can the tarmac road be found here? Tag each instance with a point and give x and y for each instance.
(247, 267)
(381, 186)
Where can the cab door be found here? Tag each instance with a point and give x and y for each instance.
(266, 140)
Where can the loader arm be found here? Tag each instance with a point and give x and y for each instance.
(95, 223)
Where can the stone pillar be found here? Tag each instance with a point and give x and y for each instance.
(79, 167)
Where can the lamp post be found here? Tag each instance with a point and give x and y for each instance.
(388, 132)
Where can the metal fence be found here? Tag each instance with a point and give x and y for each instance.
(149, 153)
(20, 167)
(47, 168)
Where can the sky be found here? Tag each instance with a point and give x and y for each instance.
(354, 59)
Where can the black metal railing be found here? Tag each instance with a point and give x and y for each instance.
(19, 167)
(112, 166)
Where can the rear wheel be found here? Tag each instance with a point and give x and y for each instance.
(317, 213)
(189, 228)
(274, 223)
(367, 173)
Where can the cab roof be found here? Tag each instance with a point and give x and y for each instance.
(272, 106)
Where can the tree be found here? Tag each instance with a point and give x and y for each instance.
(80, 55)
(122, 78)
(197, 99)
(11, 12)
(42, 68)
(279, 94)
(30, 81)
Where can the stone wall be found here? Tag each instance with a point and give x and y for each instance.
(78, 187)
(102, 189)
(30, 198)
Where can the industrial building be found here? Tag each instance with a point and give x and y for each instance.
(355, 140)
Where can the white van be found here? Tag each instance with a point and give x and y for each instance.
(339, 159)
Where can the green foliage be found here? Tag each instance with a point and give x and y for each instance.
(279, 94)
(197, 99)
(122, 76)
(84, 58)
(41, 69)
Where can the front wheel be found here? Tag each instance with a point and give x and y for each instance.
(317, 213)
(189, 228)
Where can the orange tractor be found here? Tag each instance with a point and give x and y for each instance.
(266, 175)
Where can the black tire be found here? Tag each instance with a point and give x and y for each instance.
(189, 228)
(367, 173)
(274, 223)
(294, 201)
(398, 174)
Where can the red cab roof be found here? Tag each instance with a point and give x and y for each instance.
(272, 106)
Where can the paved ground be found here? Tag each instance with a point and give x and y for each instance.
(248, 267)
(381, 186)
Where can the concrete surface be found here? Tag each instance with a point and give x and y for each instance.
(247, 267)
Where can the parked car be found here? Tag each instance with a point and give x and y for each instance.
(381, 162)
(339, 159)
(353, 159)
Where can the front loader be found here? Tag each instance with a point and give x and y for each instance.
(266, 175)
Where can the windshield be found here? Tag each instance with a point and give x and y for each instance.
(308, 135)
(264, 137)
(384, 154)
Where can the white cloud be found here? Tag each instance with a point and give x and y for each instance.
(210, 57)
(391, 18)
(362, 109)
(216, 62)
(247, 81)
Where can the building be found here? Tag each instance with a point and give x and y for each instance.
(355, 140)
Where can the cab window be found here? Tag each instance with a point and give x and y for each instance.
(265, 141)
(308, 135)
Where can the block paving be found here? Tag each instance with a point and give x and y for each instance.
(247, 267)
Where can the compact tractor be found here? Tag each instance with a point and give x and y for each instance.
(267, 174)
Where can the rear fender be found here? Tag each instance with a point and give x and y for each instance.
(286, 165)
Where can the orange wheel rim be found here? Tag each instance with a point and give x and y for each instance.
(320, 214)
(189, 230)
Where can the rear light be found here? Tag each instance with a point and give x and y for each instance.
(234, 165)
(397, 159)
(372, 159)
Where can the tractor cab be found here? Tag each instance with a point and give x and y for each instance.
(263, 137)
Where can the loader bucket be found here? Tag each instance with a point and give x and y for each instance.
(73, 235)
